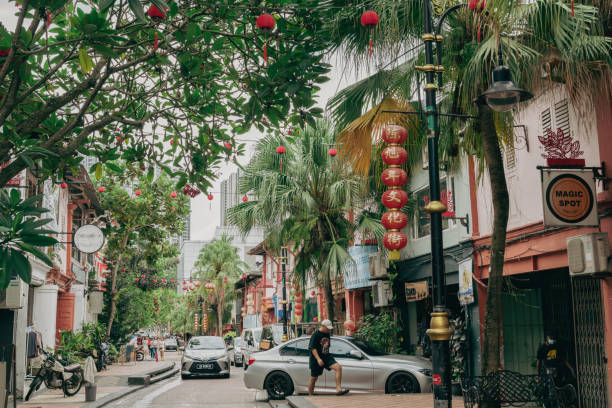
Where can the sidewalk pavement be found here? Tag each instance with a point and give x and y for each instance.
(367, 401)
(113, 380)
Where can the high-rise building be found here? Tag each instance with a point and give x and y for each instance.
(230, 195)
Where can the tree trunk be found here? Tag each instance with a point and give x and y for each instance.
(500, 200)
(329, 297)
(220, 310)
(113, 292)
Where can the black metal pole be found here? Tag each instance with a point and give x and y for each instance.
(201, 314)
(284, 270)
(439, 331)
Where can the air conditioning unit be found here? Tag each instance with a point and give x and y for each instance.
(14, 297)
(382, 293)
(378, 267)
(588, 254)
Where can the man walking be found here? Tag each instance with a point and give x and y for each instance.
(320, 357)
(552, 361)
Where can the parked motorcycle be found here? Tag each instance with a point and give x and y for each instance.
(57, 375)
(102, 355)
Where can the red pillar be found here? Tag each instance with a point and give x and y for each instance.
(65, 314)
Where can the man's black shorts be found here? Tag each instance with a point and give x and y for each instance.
(316, 370)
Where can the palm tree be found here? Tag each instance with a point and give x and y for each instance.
(220, 267)
(306, 202)
(538, 37)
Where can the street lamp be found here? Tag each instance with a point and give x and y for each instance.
(283, 259)
(503, 95)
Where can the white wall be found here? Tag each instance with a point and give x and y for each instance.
(80, 306)
(524, 187)
(44, 313)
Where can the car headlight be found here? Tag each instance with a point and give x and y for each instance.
(425, 371)
(187, 358)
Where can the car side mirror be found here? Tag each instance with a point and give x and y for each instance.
(356, 354)
(181, 348)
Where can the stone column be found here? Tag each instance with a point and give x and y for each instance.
(44, 313)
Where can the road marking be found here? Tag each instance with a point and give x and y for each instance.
(146, 401)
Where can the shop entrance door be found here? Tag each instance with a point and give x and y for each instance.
(523, 329)
(590, 343)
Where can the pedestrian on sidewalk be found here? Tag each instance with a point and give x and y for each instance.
(162, 348)
(151, 348)
(320, 358)
(156, 348)
(129, 350)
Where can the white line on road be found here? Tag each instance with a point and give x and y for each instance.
(146, 401)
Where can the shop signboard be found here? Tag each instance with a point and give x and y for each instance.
(417, 291)
(357, 273)
(88, 238)
(569, 197)
(466, 288)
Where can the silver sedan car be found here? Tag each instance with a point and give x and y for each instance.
(284, 370)
(205, 356)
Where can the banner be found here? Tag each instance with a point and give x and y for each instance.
(357, 273)
(417, 291)
(466, 288)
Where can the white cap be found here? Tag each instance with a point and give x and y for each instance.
(327, 323)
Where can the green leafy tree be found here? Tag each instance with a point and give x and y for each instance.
(534, 37)
(141, 221)
(219, 267)
(102, 78)
(305, 202)
(21, 234)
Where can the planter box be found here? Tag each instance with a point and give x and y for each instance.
(565, 163)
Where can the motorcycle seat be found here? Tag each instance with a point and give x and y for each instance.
(72, 368)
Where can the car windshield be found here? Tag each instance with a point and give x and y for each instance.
(206, 343)
(367, 348)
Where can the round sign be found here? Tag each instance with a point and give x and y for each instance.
(88, 238)
(569, 198)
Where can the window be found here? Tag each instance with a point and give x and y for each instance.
(510, 155)
(556, 118)
(422, 224)
(288, 350)
(301, 347)
(340, 349)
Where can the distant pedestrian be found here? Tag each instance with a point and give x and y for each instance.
(162, 348)
(321, 358)
(129, 350)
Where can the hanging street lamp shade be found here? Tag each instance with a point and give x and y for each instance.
(503, 94)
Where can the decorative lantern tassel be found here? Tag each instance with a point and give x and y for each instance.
(48, 18)
(281, 164)
(572, 8)
(479, 37)
(370, 48)
(266, 52)
(155, 42)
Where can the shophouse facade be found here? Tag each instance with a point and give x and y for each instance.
(539, 294)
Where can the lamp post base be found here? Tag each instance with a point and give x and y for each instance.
(439, 334)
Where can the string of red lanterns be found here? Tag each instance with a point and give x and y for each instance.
(394, 199)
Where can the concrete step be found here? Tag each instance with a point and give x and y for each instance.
(145, 378)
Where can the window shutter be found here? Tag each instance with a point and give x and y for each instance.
(562, 117)
(546, 120)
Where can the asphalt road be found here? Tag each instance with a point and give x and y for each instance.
(196, 392)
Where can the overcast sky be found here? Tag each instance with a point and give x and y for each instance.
(205, 214)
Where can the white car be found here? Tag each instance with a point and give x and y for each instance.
(284, 370)
(205, 356)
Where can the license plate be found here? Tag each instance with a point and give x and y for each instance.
(204, 366)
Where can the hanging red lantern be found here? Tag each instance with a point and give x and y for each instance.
(244, 276)
(122, 269)
(394, 177)
(156, 13)
(184, 287)
(172, 281)
(281, 150)
(245, 198)
(315, 319)
(173, 194)
(184, 282)
(142, 276)
(265, 23)
(476, 4)
(190, 280)
(197, 284)
(394, 155)
(100, 189)
(298, 306)
(369, 20)
(228, 146)
(394, 241)
(154, 280)
(63, 185)
(225, 280)
(137, 279)
(138, 192)
(394, 198)
(394, 219)
(394, 134)
(333, 152)
(163, 281)
(313, 293)
(210, 197)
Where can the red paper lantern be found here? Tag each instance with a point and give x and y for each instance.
(394, 177)
(228, 146)
(244, 276)
(173, 194)
(142, 276)
(225, 280)
(245, 199)
(197, 284)
(137, 279)
(394, 198)
(63, 185)
(394, 240)
(394, 155)
(394, 134)
(394, 220)
(315, 319)
(122, 269)
(332, 152)
(184, 282)
(100, 189)
(265, 22)
(210, 197)
(163, 281)
(369, 19)
(154, 280)
(298, 312)
(172, 281)
(476, 4)
(156, 13)
(281, 150)
(313, 293)
(190, 280)
(138, 192)
(298, 306)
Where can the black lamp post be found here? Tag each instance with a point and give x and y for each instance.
(503, 95)
(283, 259)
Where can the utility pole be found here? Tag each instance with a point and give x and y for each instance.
(283, 259)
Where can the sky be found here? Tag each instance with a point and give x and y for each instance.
(205, 214)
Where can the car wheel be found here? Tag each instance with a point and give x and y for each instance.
(402, 383)
(279, 385)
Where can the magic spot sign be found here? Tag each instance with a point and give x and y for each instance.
(569, 197)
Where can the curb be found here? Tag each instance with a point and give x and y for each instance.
(299, 402)
(146, 377)
(163, 376)
(113, 397)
